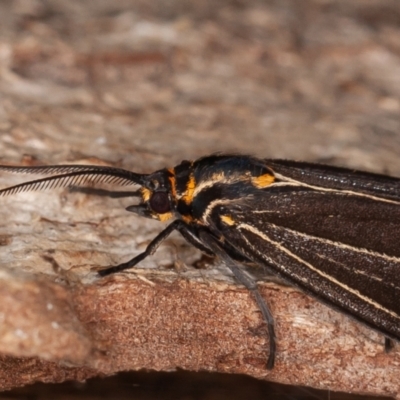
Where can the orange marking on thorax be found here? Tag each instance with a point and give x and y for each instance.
(187, 218)
(172, 181)
(190, 187)
(262, 181)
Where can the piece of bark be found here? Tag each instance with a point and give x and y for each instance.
(195, 320)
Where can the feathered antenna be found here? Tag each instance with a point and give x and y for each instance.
(71, 176)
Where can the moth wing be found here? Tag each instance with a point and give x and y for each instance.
(320, 242)
(326, 176)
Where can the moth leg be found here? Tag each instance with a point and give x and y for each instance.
(251, 285)
(388, 344)
(177, 225)
(193, 239)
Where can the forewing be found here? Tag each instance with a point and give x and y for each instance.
(338, 247)
(336, 178)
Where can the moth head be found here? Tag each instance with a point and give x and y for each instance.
(157, 201)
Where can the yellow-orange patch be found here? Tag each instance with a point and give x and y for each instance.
(172, 181)
(187, 218)
(262, 181)
(165, 216)
(190, 187)
(146, 193)
(228, 220)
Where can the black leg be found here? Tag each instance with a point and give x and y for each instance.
(177, 225)
(249, 282)
(151, 248)
(193, 239)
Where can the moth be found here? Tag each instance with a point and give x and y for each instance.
(332, 232)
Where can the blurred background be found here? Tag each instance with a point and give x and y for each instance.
(147, 83)
(144, 85)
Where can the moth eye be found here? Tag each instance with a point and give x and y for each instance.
(159, 202)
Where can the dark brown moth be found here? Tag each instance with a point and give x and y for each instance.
(332, 232)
